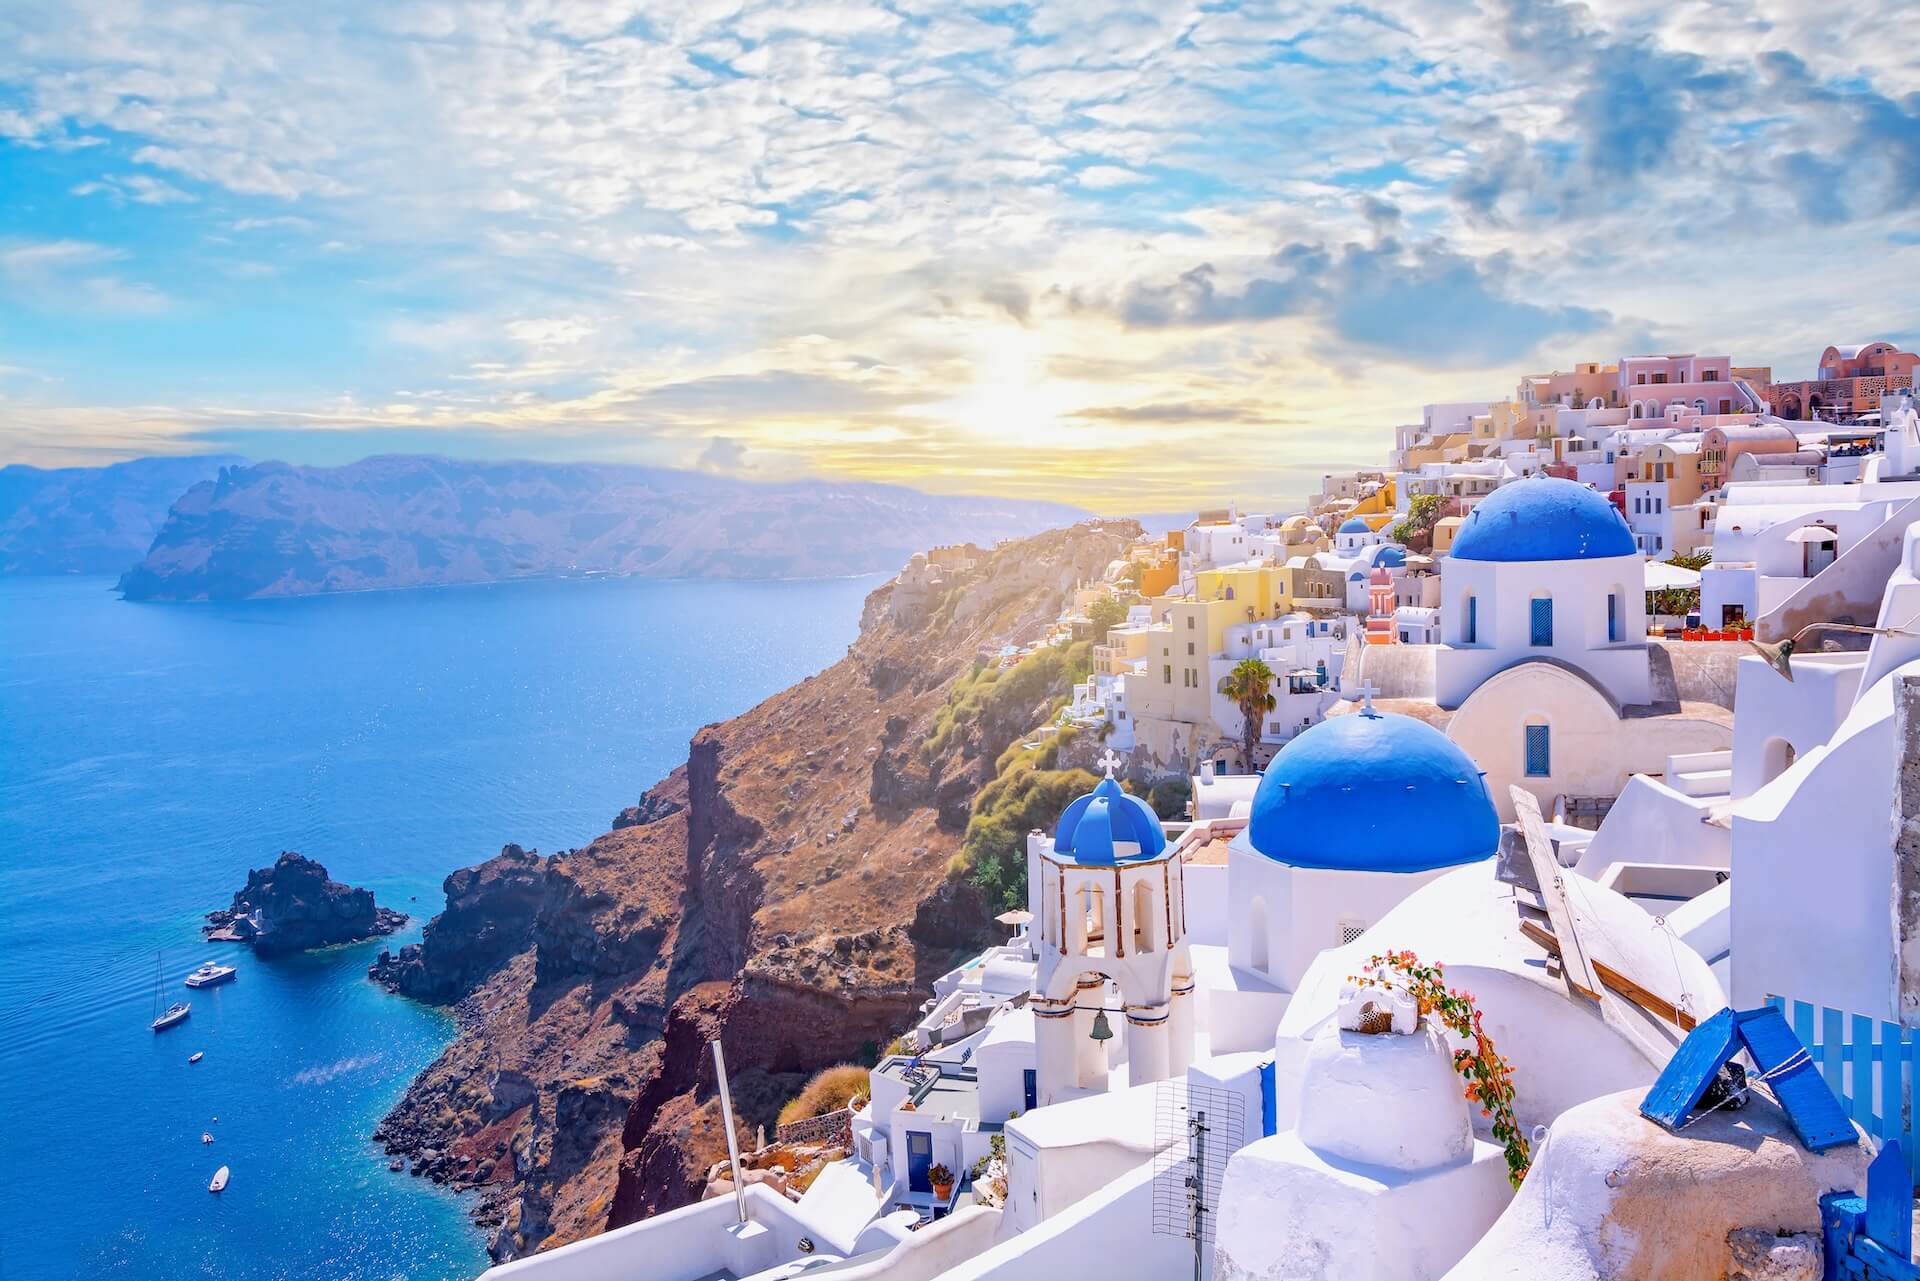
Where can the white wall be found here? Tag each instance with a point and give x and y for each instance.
(1652, 823)
(1107, 1235)
(1776, 714)
(1505, 591)
(1303, 909)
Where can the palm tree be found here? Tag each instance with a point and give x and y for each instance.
(1250, 686)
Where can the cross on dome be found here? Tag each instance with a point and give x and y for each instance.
(1366, 693)
(1110, 762)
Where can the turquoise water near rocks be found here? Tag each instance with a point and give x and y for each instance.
(151, 754)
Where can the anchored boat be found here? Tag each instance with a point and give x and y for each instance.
(220, 1177)
(211, 974)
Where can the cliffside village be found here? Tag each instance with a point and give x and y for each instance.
(1546, 904)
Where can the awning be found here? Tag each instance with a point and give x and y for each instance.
(1812, 534)
(1661, 576)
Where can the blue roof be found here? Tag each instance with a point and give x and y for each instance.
(1543, 518)
(1354, 525)
(1373, 792)
(1092, 829)
(1391, 556)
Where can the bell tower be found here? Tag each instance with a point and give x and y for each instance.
(1114, 983)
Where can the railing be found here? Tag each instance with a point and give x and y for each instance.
(1869, 1065)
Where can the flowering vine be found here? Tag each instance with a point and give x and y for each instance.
(1489, 1077)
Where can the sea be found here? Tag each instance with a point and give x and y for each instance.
(151, 754)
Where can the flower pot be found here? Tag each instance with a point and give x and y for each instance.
(943, 1191)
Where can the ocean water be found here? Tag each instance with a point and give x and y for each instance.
(151, 754)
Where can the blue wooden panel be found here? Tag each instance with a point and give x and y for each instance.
(1803, 1024)
(1542, 621)
(1833, 1057)
(1840, 1216)
(1539, 740)
(1808, 1101)
(1877, 1263)
(1862, 1097)
(1678, 1088)
(1269, 1102)
(1901, 1116)
(1890, 1201)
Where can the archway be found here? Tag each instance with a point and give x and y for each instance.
(1776, 757)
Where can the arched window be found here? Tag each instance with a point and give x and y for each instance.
(1638, 410)
(1257, 934)
(1470, 625)
(1616, 622)
(1775, 758)
(1541, 621)
(1093, 917)
(1539, 751)
(1143, 918)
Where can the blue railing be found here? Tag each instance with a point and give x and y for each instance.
(1869, 1065)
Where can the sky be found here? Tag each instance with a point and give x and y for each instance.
(1133, 256)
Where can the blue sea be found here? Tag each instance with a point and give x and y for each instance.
(151, 754)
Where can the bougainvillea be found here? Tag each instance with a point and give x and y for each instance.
(1489, 1077)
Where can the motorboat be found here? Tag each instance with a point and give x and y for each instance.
(206, 1136)
(220, 1177)
(196, 1056)
(175, 1013)
(211, 974)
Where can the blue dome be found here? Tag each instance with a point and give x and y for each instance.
(1355, 525)
(1543, 518)
(1093, 828)
(1373, 792)
(1392, 557)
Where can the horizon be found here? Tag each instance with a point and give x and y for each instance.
(1130, 261)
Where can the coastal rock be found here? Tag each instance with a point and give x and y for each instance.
(293, 906)
(761, 893)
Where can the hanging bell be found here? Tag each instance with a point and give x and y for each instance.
(1102, 1030)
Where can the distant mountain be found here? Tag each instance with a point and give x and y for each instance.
(91, 520)
(415, 521)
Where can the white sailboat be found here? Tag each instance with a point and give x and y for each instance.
(175, 1013)
(220, 1177)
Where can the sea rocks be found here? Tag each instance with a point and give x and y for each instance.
(488, 919)
(293, 906)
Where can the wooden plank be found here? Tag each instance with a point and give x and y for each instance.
(1888, 1097)
(1862, 1057)
(1546, 869)
(1904, 1120)
(1841, 1214)
(1881, 1264)
(1794, 1080)
(1657, 1006)
(1677, 1090)
(1890, 1201)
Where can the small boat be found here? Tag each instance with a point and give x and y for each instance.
(206, 1137)
(211, 974)
(176, 1013)
(196, 1056)
(220, 1177)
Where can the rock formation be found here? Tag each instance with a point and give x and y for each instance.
(292, 906)
(786, 890)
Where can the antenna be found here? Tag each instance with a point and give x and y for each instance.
(1197, 1129)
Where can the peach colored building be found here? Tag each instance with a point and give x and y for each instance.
(1851, 382)
(1721, 447)
(1647, 386)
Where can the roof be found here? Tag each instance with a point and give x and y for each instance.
(1355, 525)
(1372, 792)
(1543, 518)
(1098, 827)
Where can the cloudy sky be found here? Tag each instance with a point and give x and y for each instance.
(1131, 255)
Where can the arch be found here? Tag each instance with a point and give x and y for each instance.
(1089, 917)
(1258, 955)
(1790, 407)
(1595, 403)
(1637, 410)
(1776, 758)
(1700, 404)
(1144, 919)
(1653, 407)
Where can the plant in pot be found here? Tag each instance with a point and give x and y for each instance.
(942, 1179)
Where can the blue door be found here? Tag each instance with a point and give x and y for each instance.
(1033, 1089)
(919, 1161)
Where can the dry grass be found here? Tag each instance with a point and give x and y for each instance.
(829, 1089)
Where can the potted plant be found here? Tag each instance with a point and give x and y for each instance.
(942, 1179)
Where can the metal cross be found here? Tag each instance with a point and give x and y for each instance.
(1110, 762)
(1366, 693)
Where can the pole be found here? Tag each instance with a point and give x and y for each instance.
(733, 1144)
(1199, 1193)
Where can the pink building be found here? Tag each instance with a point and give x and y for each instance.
(1851, 382)
(1646, 386)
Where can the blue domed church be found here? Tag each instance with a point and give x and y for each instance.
(1350, 817)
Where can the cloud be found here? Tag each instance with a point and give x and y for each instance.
(723, 454)
(1420, 303)
(71, 275)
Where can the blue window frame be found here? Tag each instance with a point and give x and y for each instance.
(1613, 616)
(1543, 621)
(1539, 752)
(1473, 620)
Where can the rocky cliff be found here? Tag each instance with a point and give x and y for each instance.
(415, 521)
(91, 520)
(787, 890)
(293, 906)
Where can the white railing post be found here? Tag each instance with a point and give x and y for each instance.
(733, 1144)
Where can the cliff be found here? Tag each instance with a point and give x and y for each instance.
(293, 906)
(413, 521)
(786, 890)
(91, 520)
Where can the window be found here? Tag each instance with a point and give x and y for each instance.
(1189, 649)
(1472, 635)
(1351, 930)
(1613, 616)
(1166, 674)
(1189, 622)
(1543, 621)
(1539, 752)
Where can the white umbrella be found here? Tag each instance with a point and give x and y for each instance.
(1661, 576)
(1812, 534)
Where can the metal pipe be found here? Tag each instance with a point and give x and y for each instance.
(733, 1144)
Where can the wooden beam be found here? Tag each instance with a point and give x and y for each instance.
(1546, 870)
(1614, 981)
